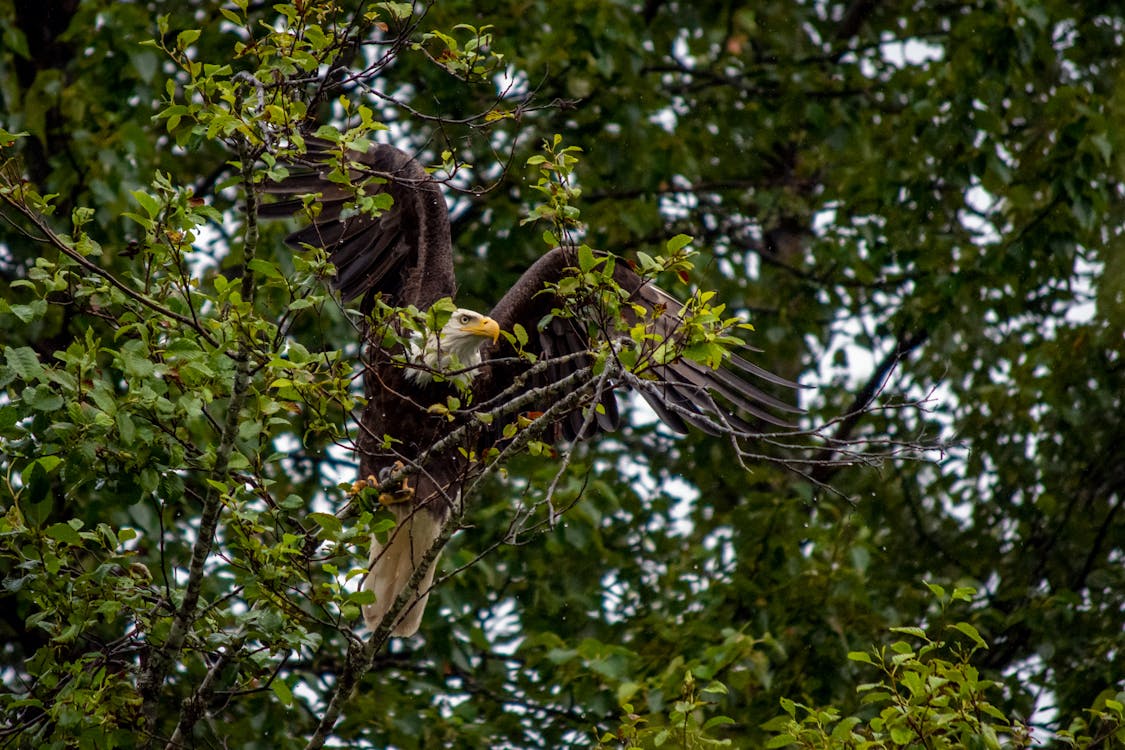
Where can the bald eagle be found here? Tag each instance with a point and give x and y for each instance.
(403, 256)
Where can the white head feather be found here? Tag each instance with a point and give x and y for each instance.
(456, 346)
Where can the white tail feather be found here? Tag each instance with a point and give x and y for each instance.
(391, 566)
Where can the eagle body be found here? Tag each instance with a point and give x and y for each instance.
(393, 428)
(381, 444)
(403, 255)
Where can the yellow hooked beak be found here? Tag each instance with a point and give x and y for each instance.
(485, 328)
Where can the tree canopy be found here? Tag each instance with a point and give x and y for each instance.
(918, 207)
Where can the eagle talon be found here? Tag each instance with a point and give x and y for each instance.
(403, 494)
(360, 485)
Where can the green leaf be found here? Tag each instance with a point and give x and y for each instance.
(777, 723)
(49, 463)
(265, 268)
(64, 533)
(862, 656)
(715, 687)
(677, 243)
(24, 362)
(283, 692)
(149, 479)
(136, 365)
(328, 522)
(875, 696)
(520, 334)
(964, 593)
(901, 735)
(126, 428)
(717, 721)
(32, 311)
(586, 260)
(41, 398)
(397, 11)
(187, 37)
(150, 205)
(971, 632)
(843, 730)
(625, 691)
(15, 40)
(292, 502)
(103, 398)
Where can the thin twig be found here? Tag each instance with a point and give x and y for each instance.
(63, 246)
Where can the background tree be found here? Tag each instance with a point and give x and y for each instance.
(936, 188)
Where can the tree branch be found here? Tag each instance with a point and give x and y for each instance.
(194, 706)
(151, 680)
(904, 345)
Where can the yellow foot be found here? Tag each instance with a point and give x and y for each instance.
(360, 485)
(403, 494)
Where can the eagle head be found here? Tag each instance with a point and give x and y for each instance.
(458, 344)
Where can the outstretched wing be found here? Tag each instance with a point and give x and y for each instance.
(404, 252)
(683, 393)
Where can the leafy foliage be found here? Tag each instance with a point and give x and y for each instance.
(929, 695)
(907, 202)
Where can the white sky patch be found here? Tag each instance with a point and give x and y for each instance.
(512, 82)
(617, 604)
(1084, 308)
(343, 467)
(979, 203)
(680, 49)
(681, 205)
(648, 484)
(910, 52)
(619, 601)
(824, 218)
(858, 360)
(211, 246)
(502, 627)
(665, 119)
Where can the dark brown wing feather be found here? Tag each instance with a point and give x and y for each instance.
(684, 394)
(405, 253)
